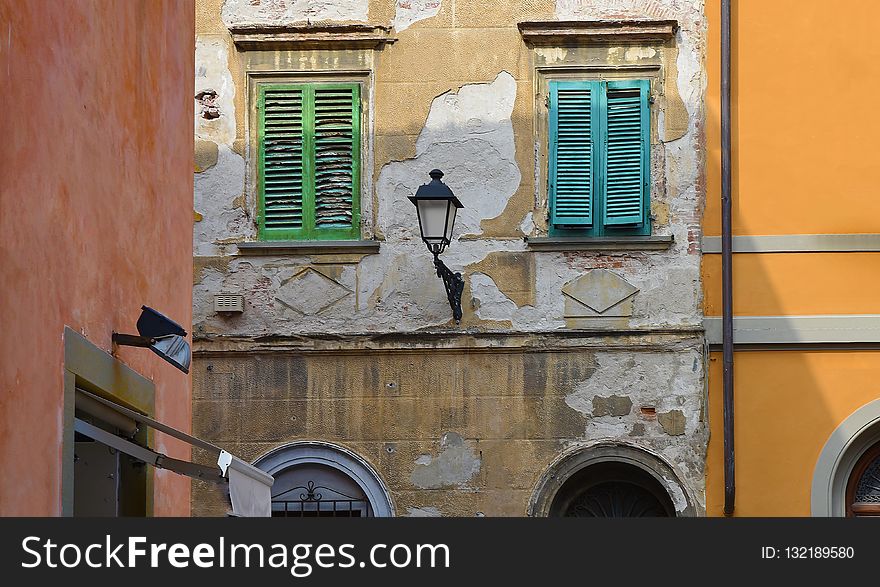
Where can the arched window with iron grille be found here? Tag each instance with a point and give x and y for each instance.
(863, 488)
(321, 479)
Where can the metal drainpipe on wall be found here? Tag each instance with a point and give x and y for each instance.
(727, 267)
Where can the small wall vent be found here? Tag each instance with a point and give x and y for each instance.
(229, 303)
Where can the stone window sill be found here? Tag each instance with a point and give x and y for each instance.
(600, 243)
(363, 247)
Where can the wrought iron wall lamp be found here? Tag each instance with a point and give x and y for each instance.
(437, 206)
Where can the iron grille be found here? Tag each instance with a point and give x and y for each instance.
(310, 501)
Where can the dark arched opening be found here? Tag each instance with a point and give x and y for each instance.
(612, 490)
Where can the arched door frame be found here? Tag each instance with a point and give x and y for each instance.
(846, 445)
(337, 457)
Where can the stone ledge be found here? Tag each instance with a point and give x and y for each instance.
(555, 32)
(797, 243)
(327, 36)
(798, 330)
(467, 340)
(255, 248)
(600, 243)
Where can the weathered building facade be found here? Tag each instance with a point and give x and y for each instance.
(572, 133)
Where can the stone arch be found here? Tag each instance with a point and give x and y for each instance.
(577, 460)
(328, 456)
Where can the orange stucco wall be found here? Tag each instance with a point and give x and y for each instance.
(805, 117)
(787, 405)
(774, 284)
(95, 216)
(805, 162)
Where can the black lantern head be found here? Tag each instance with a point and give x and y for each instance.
(162, 335)
(436, 206)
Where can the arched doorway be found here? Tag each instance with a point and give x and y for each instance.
(320, 479)
(611, 479)
(612, 490)
(863, 487)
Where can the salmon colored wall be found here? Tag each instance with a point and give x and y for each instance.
(804, 162)
(95, 216)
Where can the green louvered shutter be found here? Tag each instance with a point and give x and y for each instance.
(309, 161)
(281, 161)
(626, 154)
(336, 159)
(572, 130)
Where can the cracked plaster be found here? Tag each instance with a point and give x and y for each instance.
(408, 12)
(454, 466)
(280, 12)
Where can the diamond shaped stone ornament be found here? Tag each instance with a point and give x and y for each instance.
(310, 292)
(599, 290)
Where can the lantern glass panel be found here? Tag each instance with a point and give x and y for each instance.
(433, 216)
(450, 221)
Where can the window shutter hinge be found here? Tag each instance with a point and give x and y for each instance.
(547, 101)
(651, 99)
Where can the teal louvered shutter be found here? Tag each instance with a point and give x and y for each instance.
(573, 114)
(626, 152)
(336, 159)
(281, 161)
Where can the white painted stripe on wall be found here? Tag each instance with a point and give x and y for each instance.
(797, 243)
(843, 328)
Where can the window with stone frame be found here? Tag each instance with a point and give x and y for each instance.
(599, 157)
(606, 102)
(308, 167)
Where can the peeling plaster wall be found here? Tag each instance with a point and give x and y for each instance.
(469, 135)
(457, 91)
(452, 432)
(489, 302)
(648, 397)
(276, 12)
(408, 12)
(454, 466)
(218, 201)
(475, 133)
(212, 74)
